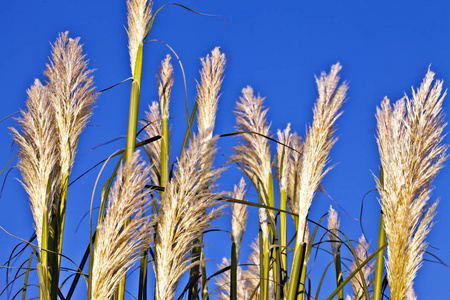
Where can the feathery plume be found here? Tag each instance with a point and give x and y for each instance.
(367, 270)
(239, 216)
(119, 246)
(208, 90)
(284, 156)
(409, 140)
(294, 172)
(333, 231)
(182, 218)
(152, 128)
(38, 154)
(165, 81)
(71, 95)
(319, 140)
(254, 152)
(139, 15)
(411, 295)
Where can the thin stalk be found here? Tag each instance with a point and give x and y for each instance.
(265, 270)
(301, 285)
(43, 265)
(143, 271)
(205, 292)
(339, 279)
(275, 252)
(143, 276)
(132, 129)
(164, 146)
(134, 105)
(378, 280)
(283, 238)
(296, 270)
(58, 238)
(233, 275)
(27, 274)
(195, 270)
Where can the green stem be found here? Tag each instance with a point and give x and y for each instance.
(283, 238)
(134, 105)
(233, 276)
(265, 269)
(43, 265)
(165, 147)
(132, 129)
(296, 270)
(301, 285)
(339, 279)
(195, 270)
(378, 280)
(205, 292)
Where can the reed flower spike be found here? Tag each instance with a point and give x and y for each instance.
(319, 141)
(165, 82)
(333, 231)
(119, 246)
(71, 95)
(409, 140)
(367, 271)
(139, 15)
(186, 211)
(208, 90)
(38, 153)
(152, 125)
(239, 216)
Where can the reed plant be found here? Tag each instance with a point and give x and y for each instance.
(156, 207)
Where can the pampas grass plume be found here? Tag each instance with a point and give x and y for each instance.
(118, 246)
(139, 15)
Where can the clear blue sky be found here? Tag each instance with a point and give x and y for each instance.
(277, 47)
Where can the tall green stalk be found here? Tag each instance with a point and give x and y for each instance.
(283, 238)
(132, 129)
(378, 280)
(296, 270)
(339, 279)
(43, 265)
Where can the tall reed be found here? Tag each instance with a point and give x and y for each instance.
(118, 246)
(185, 201)
(409, 140)
(181, 218)
(315, 149)
(57, 114)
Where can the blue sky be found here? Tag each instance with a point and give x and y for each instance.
(385, 47)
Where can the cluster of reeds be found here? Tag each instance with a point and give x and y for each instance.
(156, 216)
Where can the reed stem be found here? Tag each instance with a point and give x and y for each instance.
(378, 280)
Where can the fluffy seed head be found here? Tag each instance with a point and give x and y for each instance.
(411, 152)
(165, 81)
(185, 213)
(119, 244)
(139, 15)
(319, 139)
(284, 156)
(71, 95)
(208, 90)
(333, 231)
(239, 215)
(152, 128)
(38, 153)
(367, 270)
(294, 172)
